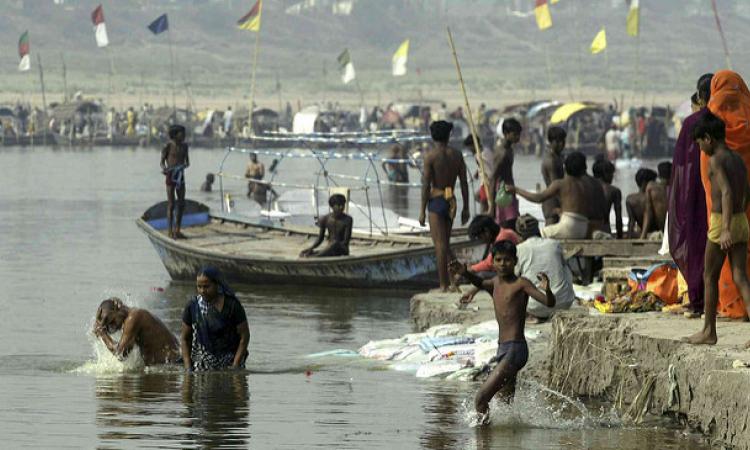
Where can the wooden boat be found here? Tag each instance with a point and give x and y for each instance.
(249, 252)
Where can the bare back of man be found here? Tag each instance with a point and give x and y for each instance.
(552, 169)
(635, 204)
(613, 197)
(442, 167)
(598, 211)
(655, 209)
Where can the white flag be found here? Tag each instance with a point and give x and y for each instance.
(347, 68)
(100, 31)
(25, 63)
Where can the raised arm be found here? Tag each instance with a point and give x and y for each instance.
(617, 205)
(537, 197)
(547, 297)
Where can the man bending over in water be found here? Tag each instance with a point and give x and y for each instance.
(510, 295)
(339, 227)
(442, 166)
(174, 161)
(728, 230)
(139, 327)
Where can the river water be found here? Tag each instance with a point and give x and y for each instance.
(69, 240)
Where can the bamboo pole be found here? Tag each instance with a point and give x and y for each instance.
(171, 71)
(252, 81)
(472, 125)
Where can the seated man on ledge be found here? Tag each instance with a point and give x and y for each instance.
(139, 327)
(339, 227)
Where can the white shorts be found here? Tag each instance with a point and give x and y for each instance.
(570, 226)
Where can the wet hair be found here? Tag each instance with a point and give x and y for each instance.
(482, 223)
(213, 274)
(210, 177)
(441, 131)
(505, 247)
(469, 141)
(575, 164)
(511, 125)
(110, 304)
(644, 176)
(527, 226)
(556, 134)
(336, 199)
(694, 98)
(602, 167)
(665, 170)
(710, 125)
(704, 87)
(175, 129)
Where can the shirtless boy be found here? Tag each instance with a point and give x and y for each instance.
(552, 169)
(635, 203)
(339, 227)
(510, 295)
(139, 328)
(604, 171)
(574, 202)
(728, 231)
(174, 161)
(655, 212)
(442, 167)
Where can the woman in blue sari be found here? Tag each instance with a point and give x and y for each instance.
(214, 334)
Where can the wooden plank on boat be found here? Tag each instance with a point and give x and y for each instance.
(611, 247)
(613, 262)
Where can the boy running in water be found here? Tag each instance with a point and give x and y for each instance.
(174, 161)
(510, 295)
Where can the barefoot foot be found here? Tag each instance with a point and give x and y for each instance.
(702, 337)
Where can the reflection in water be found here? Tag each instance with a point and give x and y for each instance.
(443, 414)
(146, 406)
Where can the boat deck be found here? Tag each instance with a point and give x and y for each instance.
(240, 240)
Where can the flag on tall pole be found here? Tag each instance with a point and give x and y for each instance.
(160, 25)
(599, 44)
(251, 20)
(543, 17)
(634, 14)
(23, 52)
(100, 28)
(346, 66)
(400, 58)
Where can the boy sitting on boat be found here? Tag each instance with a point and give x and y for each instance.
(139, 328)
(339, 227)
(174, 161)
(510, 295)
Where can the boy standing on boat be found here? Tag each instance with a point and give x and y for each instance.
(174, 161)
(442, 167)
(510, 296)
(339, 227)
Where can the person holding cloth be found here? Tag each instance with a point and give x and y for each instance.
(214, 333)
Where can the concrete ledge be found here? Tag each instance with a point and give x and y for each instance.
(435, 308)
(618, 357)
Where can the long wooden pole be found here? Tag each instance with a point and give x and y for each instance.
(721, 33)
(65, 78)
(171, 71)
(44, 96)
(472, 125)
(252, 80)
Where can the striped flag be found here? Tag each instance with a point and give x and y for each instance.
(400, 58)
(100, 29)
(346, 66)
(543, 17)
(251, 20)
(634, 15)
(23, 52)
(599, 44)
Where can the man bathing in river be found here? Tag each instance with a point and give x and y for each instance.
(139, 328)
(510, 295)
(442, 167)
(174, 161)
(728, 230)
(339, 227)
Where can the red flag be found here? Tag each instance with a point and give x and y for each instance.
(98, 15)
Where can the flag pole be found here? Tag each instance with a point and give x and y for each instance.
(65, 78)
(637, 78)
(171, 70)
(361, 94)
(252, 80)
(44, 96)
(111, 74)
(721, 33)
(472, 125)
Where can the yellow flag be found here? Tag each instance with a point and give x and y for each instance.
(251, 20)
(543, 17)
(633, 18)
(554, 1)
(599, 43)
(400, 58)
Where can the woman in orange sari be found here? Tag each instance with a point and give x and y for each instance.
(730, 101)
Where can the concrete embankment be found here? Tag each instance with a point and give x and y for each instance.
(635, 361)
